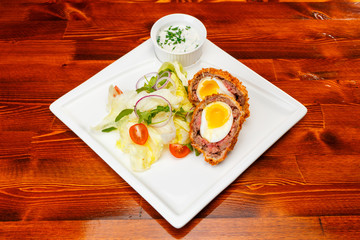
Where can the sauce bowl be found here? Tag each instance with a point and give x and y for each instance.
(185, 58)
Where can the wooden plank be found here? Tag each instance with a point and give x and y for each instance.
(267, 39)
(75, 10)
(34, 202)
(15, 142)
(63, 174)
(329, 168)
(326, 11)
(318, 141)
(251, 196)
(338, 139)
(276, 200)
(26, 202)
(20, 117)
(63, 154)
(12, 11)
(320, 91)
(34, 30)
(341, 227)
(42, 81)
(239, 228)
(240, 198)
(36, 51)
(342, 115)
(282, 190)
(270, 170)
(104, 50)
(14, 155)
(208, 10)
(344, 71)
(313, 118)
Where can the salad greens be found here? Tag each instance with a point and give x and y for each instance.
(148, 86)
(166, 116)
(147, 116)
(109, 129)
(123, 113)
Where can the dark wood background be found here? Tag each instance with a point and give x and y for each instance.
(53, 186)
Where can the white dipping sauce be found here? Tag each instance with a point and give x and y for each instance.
(178, 38)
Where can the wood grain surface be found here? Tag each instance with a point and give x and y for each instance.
(306, 186)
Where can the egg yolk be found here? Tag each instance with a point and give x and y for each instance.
(208, 87)
(216, 115)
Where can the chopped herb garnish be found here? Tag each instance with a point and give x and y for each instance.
(175, 35)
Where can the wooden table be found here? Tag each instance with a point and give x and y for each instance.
(306, 186)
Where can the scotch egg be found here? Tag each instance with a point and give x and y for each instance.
(216, 121)
(209, 86)
(211, 81)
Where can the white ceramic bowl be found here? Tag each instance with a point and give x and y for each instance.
(187, 58)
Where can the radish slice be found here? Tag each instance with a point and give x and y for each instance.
(160, 124)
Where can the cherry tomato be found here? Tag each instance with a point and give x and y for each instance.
(178, 150)
(139, 133)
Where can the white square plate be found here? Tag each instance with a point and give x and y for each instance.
(179, 188)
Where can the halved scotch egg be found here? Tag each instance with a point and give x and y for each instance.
(215, 126)
(209, 86)
(216, 121)
(209, 81)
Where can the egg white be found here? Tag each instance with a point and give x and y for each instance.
(222, 87)
(215, 134)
